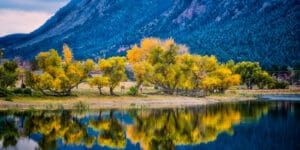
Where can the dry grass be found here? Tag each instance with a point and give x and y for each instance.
(85, 94)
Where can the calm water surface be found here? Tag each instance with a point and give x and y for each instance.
(243, 125)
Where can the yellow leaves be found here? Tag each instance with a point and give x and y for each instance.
(104, 65)
(135, 54)
(111, 143)
(89, 65)
(221, 79)
(148, 44)
(182, 127)
(99, 81)
(167, 43)
(114, 69)
(45, 81)
(210, 82)
(233, 80)
(74, 137)
(59, 78)
(43, 54)
(68, 56)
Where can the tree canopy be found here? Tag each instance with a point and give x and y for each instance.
(56, 77)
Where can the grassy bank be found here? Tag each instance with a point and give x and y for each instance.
(86, 97)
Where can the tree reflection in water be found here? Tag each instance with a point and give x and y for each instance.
(8, 132)
(112, 132)
(152, 129)
(168, 128)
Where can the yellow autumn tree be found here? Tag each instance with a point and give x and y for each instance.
(99, 81)
(221, 79)
(155, 62)
(68, 56)
(57, 78)
(114, 69)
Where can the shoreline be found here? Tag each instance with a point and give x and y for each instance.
(122, 102)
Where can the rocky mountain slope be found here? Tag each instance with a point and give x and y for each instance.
(257, 30)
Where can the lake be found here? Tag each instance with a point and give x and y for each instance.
(240, 125)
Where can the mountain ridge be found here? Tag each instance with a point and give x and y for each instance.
(250, 30)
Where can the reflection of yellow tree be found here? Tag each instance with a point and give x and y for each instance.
(169, 128)
(56, 126)
(111, 131)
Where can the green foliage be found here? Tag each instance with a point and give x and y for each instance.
(263, 79)
(8, 98)
(25, 91)
(249, 72)
(18, 91)
(278, 85)
(133, 91)
(8, 74)
(4, 92)
(8, 132)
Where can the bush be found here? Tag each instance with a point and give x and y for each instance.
(8, 98)
(4, 92)
(25, 91)
(278, 85)
(18, 91)
(133, 91)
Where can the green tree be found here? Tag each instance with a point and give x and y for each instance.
(263, 79)
(249, 72)
(8, 74)
(113, 69)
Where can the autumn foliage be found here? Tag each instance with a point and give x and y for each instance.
(169, 66)
(56, 77)
(163, 64)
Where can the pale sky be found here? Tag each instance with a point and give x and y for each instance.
(24, 16)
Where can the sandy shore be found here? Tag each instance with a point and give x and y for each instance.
(118, 102)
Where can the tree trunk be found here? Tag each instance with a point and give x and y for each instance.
(111, 91)
(100, 90)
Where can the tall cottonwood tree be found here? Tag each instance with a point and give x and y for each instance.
(251, 73)
(56, 77)
(113, 69)
(165, 65)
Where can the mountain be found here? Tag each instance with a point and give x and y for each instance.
(256, 30)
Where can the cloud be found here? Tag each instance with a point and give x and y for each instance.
(24, 16)
(18, 21)
(33, 5)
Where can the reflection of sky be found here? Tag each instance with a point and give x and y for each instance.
(23, 143)
(24, 16)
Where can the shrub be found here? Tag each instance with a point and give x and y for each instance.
(8, 98)
(133, 91)
(278, 85)
(18, 91)
(4, 92)
(27, 91)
